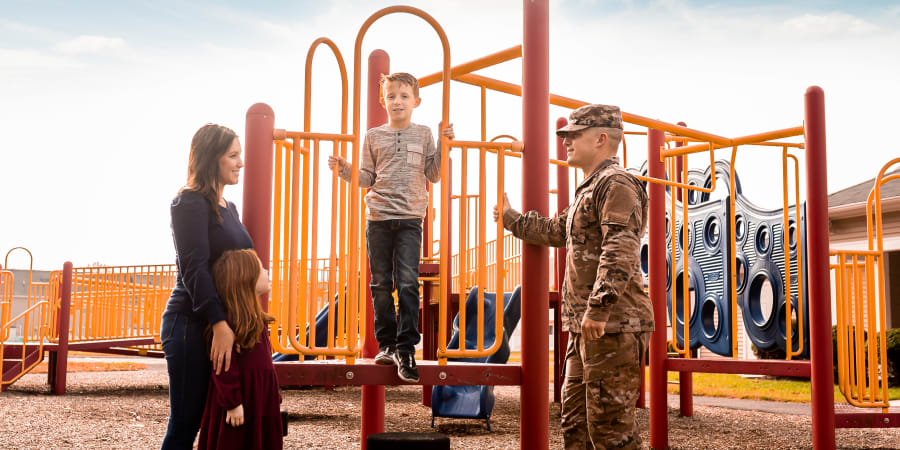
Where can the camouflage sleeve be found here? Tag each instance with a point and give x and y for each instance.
(533, 228)
(620, 219)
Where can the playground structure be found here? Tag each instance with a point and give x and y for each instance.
(117, 309)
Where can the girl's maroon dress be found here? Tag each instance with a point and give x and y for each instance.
(251, 382)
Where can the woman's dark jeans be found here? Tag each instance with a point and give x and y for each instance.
(187, 361)
(394, 247)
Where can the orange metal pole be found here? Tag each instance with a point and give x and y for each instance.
(476, 64)
(744, 140)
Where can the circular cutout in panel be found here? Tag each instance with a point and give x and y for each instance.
(693, 196)
(782, 326)
(679, 297)
(709, 317)
(712, 231)
(792, 235)
(645, 259)
(668, 271)
(741, 273)
(740, 228)
(681, 236)
(763, 239)
(761, 299)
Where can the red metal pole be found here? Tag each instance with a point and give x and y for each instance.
(62, 350)
(685, 379)
(560, 337)
(258, 161)
(534, 423)
(659, 427)
(819, 273)
(373, 396)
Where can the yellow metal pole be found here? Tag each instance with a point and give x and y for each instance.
(471, 66)
(785, 230)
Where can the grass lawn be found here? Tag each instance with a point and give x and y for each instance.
(736, 386)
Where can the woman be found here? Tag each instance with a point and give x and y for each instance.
(204, 226)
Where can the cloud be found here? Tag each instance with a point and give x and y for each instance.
(91, 44)
(833, 24)
(28, 59)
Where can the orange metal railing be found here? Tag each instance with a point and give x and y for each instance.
(6, 291)
(116, 303)
(301, 282)
(860, 310)
(32, 321)
(473, 263)
(298, 275)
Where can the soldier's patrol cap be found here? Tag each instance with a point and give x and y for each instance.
(605, 116)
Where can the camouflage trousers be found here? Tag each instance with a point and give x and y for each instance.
(601, 390)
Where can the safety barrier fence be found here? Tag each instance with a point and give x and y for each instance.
(859, 278)
(32, 323)
(116, 302)
(6, 291)
(305, 281)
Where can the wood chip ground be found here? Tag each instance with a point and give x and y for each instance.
(128, 410)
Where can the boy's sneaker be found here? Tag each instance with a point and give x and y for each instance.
(406, 367)
(385, 356)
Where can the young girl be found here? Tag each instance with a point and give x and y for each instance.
(243, 403)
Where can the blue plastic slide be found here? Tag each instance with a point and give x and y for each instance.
(477, 402)
(321, 335)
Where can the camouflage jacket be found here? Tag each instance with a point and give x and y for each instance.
(601, 231)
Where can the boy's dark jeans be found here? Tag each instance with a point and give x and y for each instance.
(394, 247)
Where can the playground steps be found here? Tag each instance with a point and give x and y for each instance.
(366, 372)
(12, 362)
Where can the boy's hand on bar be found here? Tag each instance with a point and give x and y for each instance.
(336, 161)
(448, 132)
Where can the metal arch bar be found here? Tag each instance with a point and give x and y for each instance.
(445, 157)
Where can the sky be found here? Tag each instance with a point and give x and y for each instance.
(99, 100)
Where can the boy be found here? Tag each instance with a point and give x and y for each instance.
(395, 161)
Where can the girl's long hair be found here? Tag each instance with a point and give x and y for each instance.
(236, 273)
(210, 142)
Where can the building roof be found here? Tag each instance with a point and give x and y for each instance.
(860, 193)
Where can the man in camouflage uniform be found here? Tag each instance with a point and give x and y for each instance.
(607, 313)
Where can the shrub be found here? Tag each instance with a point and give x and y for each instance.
(893, 353)
(774, 353)
(892, 336)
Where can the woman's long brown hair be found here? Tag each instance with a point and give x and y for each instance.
(210, 142)
(235, 274)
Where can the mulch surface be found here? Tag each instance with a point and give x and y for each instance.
(129, 409)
